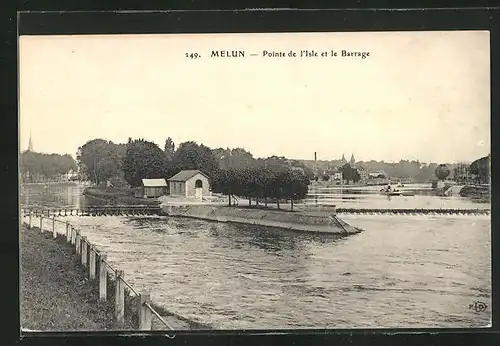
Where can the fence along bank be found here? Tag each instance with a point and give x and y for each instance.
(99, 269)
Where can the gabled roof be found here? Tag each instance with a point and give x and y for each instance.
(185, 175)
(154, 182)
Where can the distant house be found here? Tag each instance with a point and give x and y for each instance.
(189, 183)
(154, 187)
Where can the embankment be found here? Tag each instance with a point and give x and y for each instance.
(298, 221)
(57, 295)
(476, 192)
(54, 291)
(115, 196)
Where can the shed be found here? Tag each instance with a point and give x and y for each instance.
(154, 187)
(190, 183)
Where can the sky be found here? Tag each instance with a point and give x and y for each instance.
(419, 95)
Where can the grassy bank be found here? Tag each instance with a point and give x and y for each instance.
(55, 293)
(117, 196)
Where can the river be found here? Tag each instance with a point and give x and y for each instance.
(401, 272)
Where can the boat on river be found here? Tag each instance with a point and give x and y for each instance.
(390, 192)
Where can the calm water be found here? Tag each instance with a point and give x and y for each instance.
(402, 271)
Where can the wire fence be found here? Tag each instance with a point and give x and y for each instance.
(88, 253)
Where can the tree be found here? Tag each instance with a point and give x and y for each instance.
(190, 155)
(169, 149)
(461, 173)
(442, 172)
(481, 168)
(347, 172)
(356, 176)
(143, 160)
(296, 185)
(100, 159)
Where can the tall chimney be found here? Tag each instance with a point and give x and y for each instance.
(314, 156)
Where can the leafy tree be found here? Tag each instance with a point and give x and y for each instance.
(442, 172)
(481, 168)
(190, 155)
(356, 176)
(143, 160)
(100, 159)
(347, 172)
(296, 185)
(169, 149)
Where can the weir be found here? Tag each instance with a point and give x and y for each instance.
(113, 210)
(139, 210)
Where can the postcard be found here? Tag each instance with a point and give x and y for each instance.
(257, 181)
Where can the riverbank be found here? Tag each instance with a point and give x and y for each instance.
(117, 196)
(296, 221)
(54, 292)
(476, 192)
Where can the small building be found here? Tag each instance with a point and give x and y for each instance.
(189, 183)
(154, 187)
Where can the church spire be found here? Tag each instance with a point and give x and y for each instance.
(353, 161)
(343, 160)
(30, 144)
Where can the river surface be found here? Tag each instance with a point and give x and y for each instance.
(401, 272)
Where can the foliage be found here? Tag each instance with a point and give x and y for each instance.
(481, 168)
(143, 160)
(190, 155)
(100, 160)
(262, 183)
(169, 149)
(233, 158)
(349, 173)
(45, 165)
(442, 172)
(462, 173)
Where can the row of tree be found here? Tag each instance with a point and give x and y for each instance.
(261, 183)
(36, 166)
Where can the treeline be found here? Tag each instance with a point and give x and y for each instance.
(262, 184)
(39, 166)
(404, 169)
(129, 163)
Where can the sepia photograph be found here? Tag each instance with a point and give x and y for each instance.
(257, 181)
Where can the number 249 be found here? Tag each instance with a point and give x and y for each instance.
(193, 55)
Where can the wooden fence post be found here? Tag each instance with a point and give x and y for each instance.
(84, 251)
(77, 242)
(120, 297)
(103, 277)
(41, 223)
(92, 263)
(29, 222)
(72, 232)
(145, 315)
(68, 234)
(54, 233)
